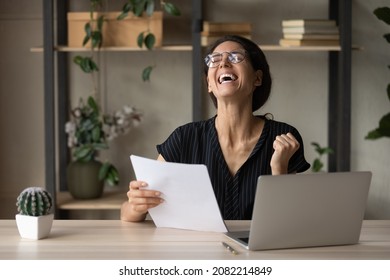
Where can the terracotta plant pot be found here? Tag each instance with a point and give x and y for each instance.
(116, 33)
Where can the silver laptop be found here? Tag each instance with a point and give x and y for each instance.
(306, 210)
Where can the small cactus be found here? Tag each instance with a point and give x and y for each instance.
(34, 201)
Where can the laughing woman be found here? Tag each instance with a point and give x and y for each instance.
(236, 145)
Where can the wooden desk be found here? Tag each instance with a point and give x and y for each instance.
(113, 239)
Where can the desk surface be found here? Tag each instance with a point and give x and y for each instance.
(114, 239)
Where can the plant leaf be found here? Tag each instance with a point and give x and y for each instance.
(110, 179)
(149, 9)
(383, 13)
(88, 29)
(316, 146)
(113, 176)
(387, 37)
(103, 171)
(138, 7)
(77, 59)
(149, 41)
(92, 65)
(125, 11)
(96, 132)
(140, 39)
(327, 150)
(171, 9)
(317, 165)
(373, 135)
(388, 91)
(97, 39)
(109, 173)
(100, 22)
(96, 3)
(92, 103)
(122, 16)
(100, 146)
(86, 64)
(86, 39)
(384, 125)
(146, 73)
(83, 152)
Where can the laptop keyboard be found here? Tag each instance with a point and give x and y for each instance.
(244, 239)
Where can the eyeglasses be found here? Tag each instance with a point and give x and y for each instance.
(214, 59)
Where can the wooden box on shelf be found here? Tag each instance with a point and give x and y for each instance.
(118, 33)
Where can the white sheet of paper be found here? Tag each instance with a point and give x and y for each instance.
(190, 201)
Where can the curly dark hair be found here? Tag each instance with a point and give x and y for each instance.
(258, 62)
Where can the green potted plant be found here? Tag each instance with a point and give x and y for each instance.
(383, 129)
(34, 220)
(317, 164)
(90, 129)
(89, 132)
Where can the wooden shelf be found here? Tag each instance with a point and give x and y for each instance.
(189, 48)
(111, 200)
(116, 49)
(303, 48)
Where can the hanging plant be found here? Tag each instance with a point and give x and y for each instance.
(93, 34)
(146, 38)
(383, 129)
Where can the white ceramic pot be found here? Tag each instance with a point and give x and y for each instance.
(34, 227)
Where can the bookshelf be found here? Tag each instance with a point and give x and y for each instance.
(115, 49)
(56, 96)
(188, 48)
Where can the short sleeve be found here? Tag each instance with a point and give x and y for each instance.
(170, 149)
(298, 162)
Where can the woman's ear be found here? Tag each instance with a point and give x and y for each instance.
(208, 85)
(258, 78)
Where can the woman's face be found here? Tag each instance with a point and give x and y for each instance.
(232, 80)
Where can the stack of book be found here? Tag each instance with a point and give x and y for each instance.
(214, 30)
(309, 32)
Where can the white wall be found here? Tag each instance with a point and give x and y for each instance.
(299, 94)
(21, 101)
(370, 77)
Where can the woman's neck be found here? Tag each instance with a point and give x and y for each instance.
(236, 124)
(238, 132)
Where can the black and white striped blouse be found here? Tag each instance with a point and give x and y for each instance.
(197, 143)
